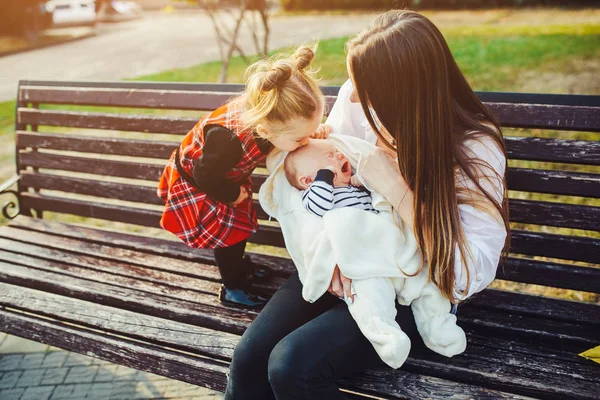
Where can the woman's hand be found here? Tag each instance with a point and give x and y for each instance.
(381, 174)
(322, 132)
(340, 285)
(243, 196)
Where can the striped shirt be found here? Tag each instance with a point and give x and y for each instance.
(322, 196)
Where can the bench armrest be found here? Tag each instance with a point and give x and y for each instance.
(10, 204)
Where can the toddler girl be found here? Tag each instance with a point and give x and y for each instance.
(206, 184)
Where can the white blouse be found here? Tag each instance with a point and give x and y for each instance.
(484, 233)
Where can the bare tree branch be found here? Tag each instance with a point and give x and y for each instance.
(232, 45)
(221, 12)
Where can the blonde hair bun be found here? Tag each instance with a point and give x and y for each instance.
(303, 57)
(280, 72)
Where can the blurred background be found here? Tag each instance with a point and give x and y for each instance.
(536, 46)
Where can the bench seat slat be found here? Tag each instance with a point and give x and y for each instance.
(200, 264)
(182, 279)
(569, 338)
(167, 248)
(51, 277)
(185, 275)
(155, 330)
(110, 121)
(199, 371)
(493, 299)
(464, 312)
(537, 378)
(212, 374)
(116, 277)
(535, 306)
(113, 146)
(207, 312)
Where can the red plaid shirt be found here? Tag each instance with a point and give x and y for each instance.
(197, 219)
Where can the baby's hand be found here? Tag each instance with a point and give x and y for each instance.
(322, 132)
(354, 181)
(243, 196)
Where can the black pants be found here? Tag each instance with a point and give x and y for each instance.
(297, 350)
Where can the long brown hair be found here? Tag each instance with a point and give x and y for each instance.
(409, 83)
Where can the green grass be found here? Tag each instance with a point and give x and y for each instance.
(521, 30)
(7, 117)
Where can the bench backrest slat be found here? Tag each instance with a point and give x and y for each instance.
(88, 187)
(544, 116)
(123, 169)
(519, 179)
(583, 152)
(510, 114)
(107, 121)
(100, 162)
(84, 208)
(586, 152)
(137, 98)
(83, 144)
(523, 211)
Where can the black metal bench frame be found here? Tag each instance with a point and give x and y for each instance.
(149, 303)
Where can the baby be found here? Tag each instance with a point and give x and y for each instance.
(325, 175)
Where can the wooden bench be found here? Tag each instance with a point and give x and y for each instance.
(141, 299)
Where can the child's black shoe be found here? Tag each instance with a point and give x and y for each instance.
(241, 297)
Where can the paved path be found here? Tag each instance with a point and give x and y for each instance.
(34, 371)
(156, 43)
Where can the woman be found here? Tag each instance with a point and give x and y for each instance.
(447, 182)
